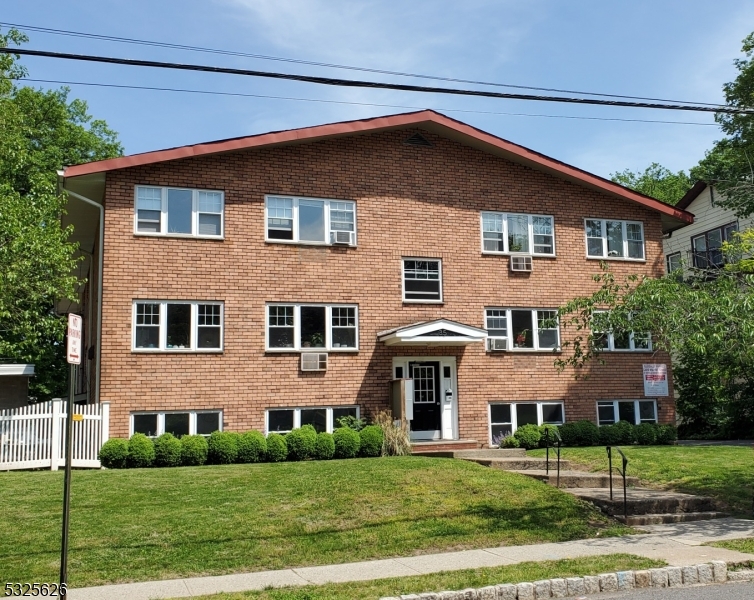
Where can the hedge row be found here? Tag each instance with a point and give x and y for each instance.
(224, 447)
(586, 433)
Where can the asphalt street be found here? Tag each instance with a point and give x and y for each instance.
(724, 591)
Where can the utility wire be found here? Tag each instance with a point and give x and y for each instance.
(460, 110)
(365, 84)
(125, 40)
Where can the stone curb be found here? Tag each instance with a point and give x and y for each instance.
(714, 572)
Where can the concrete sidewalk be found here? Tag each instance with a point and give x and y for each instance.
(679, 544)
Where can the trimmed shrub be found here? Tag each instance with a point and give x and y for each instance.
(626, 432)
(580, 433)
(646, 434)
(252, 447)
(325, 447)
(666, 434)
(194, 450)
(510, 441)
(114, 453)
(347, 442)
(371, 440)
(167, 451)
(350, 421)
(277, 449)
(610, 436)
(140, 451)
(301, 442)
(222, 448)
(543, 429)
(528, 436)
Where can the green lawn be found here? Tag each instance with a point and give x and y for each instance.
(136, 525)
(722, 472)
(454, 580)
(741, 545)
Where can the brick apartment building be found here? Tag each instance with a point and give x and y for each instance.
(287, 278)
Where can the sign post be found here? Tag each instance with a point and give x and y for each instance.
(73, 351)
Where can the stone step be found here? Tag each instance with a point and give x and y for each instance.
(522, 464)
(577, 479)
(642, 501)
(467, 454)
(443, 447)
(685, 517)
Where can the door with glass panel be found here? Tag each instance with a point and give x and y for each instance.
(427, 416)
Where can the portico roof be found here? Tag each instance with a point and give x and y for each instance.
(440, 332)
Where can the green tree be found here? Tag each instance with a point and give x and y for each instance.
(40, 132)
(656, 181)
(730, 162)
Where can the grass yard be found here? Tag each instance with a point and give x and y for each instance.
(722, 472)
(136, 525)
(741, 545)
(455, 580)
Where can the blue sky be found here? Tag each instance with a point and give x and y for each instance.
(675, 49)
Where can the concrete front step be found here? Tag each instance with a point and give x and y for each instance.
(577, 479)
(444, 447)
(522, 465)
(468, 454)
(642, 501)
(636, 520)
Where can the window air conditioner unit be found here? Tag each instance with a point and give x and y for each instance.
(521, 264)
(314, 361)
(497, 344)
(342, 237)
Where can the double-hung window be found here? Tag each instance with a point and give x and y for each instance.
(310, 220)
(607, 339)
(524, 329)
(633, 411)
(506, 417)
(504, 233)
(707, 248)
(422, 280)
(177, 326)
(673, 262)
(302, 327)
(179, 423)
(178, 211)
(610, 239)
(322, 418)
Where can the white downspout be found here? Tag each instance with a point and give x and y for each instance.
(98, 350)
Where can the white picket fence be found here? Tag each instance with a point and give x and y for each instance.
(34, 436)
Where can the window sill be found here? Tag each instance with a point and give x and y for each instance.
(617, 259)
(310, 350)
(533, 254)
(315, 244)
(628, 351)
(436, 302)
(526, 351)
(184, 236)
(176, 351)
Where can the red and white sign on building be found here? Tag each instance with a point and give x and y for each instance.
(655, 380)
(74, 339)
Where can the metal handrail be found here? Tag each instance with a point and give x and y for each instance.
(558, 443)
(622, 473)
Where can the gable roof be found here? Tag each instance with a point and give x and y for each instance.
(691, 195)
(429, 120)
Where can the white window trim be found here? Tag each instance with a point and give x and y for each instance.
(297, 327)
(329, 419)
(507, 251)
(611, 341)
(164, 213)
(668, 270)
(161, 419)
(509, 328)
(616, 413)
(603, 237)
(295, 230)
(403, 280)
(163, 327)
(514, 419)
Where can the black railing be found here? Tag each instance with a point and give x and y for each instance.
(555, 436)
(622, 473)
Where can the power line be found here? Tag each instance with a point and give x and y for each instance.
(126, 40)
(459, 110)
(365, 84)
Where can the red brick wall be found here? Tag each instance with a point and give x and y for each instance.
(411, 201)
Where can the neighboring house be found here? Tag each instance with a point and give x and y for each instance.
(14, 385)
(288, 278)
(697, 245)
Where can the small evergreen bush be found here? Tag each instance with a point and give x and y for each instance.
(610, 436)
(528, 436)
(353, 422)
(252, 447)
(371, 441)
(222, 448)
(347, 442)
(666, 434)
(510, 441)
(301, 443)
(543, 429)
(114, 453)
(626, 432)
(194, 450)
(646, 434)
(140, 451)
(579, 433)
(277, 449)
(167, 451)
(325, 447)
